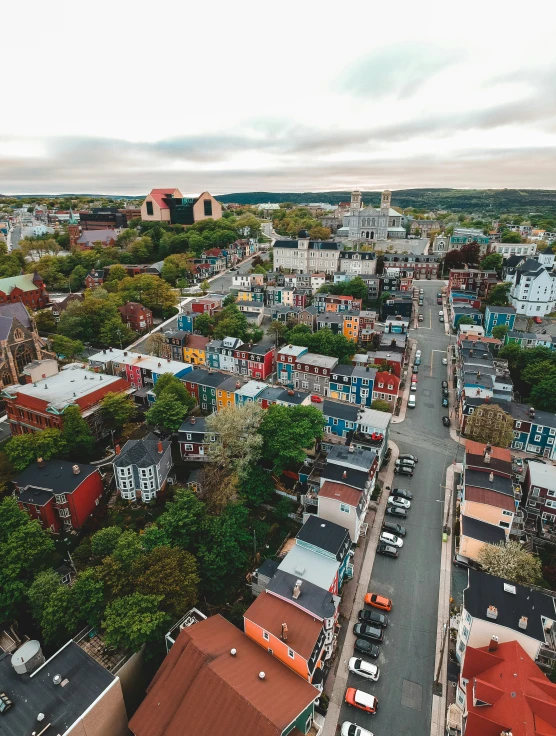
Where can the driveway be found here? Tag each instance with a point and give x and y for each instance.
(407, 656)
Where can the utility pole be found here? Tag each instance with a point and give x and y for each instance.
(437, 685)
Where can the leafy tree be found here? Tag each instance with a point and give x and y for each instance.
(134, 620)
(117, 410)
(117, 272)
(230, 322)
(454, 259)
(471, 252)
(77, 278)
(238, 443)
(500, 331)
(114, 332)
(256, 486)
(7, 472)
(76, 434)
(167, 413)
(44, 321)
(170, 573)
(288, 431)
(204, 286)
(170, 385)
(381, 405)
(498, 295)
(465, 320)
(277, 329)
(128, 549)
(323, 342)
(24, 449)
(513, 353)
(59, 616)
(41, 590)
(492, 262)
(65, 346)
(151, 291)
(543, 394)
(156, 344)
(318, 232)
(204, 324)
(249, 225)
(356, 288)
(491, 425)
(84, 320)
(511, 562)
(88, 597)
(103, 542)
(183, 519)
(508, 236)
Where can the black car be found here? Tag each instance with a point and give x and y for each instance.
(365, 647)
(395, 511)
(446, 421)
(386, 549)
(439, 295)
(373, 617)
(445, 393)
(364, 631)
(404, 470)
(412, 458)
(444, 384)
(402, 493)
(393, 528)
(415, 368)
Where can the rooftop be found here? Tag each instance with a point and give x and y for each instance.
(489, 498)
(201, 662)
(374, 418)
(317, 600)
(347, 476)
(481, 530)
(343, 455)
(500, 310)
(481, 479)
(36, 693)
(24, 282)
(340, 492)
(488, 590)
(500, 458)
(543, 476)
(314, 359)
(143, 453)
(200, 425)
(311, 566)
(54, 475)
(251, 389)
(325, 535)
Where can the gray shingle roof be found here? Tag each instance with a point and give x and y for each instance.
(142, 453)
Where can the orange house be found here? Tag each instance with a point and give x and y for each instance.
(351, 327)
(225, 393)
(289, 633)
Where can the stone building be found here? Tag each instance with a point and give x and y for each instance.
(19, 343)
(369, 223)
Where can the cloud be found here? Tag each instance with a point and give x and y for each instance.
(396, 70)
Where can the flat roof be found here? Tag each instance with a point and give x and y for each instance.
(375, 418)
(543, 476)
(294, 350)
(481, 479)
(311, 566)
(55, 475)
(251, 388)
(489, 498)
(481, 530)
(341, 455)
(325, 535)
(315, 359)
(339, 410)
(35, 694)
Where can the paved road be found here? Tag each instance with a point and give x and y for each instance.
(407, 656)
(15, 237)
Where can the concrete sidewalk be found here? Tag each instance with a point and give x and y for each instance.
(405, 396)
(353, 599)
(438, 711)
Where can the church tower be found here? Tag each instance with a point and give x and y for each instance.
(385, 204)
(356, 202)
(74, 231)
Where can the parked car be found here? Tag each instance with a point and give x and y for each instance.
(420, 302)
(392, 526)
(439, 301)
(366, 647)
(439, 295)
(444, 401)
(371, 633)
(352, 729)
(417, 362)
(361, 700)
(387, 550)
(378, 601)
(366, 669)
(537, 320)
(441, 319)
(441, 313)
(406, 461)
(415, 369)
(407, 456)
(417, 353)
(413, 386)
(414, 378)
(396, 511)
(316, 399)
(402, 493)
(405, 469)
(373, 617)
(392, 539)
(444, 361)
(445, 384)
(461, 561)
(446, 421)
(445, 393)
(421, 318)
(401, 503)
(421, 291)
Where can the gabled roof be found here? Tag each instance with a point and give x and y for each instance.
(340, 492)
(24, 282)
(159, 194)
(200, 670)
(89, 237)
(17, 310)
(489, 498)
(143, 453)
(481, 479)
(314, 599)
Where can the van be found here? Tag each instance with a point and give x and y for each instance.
(411, 402)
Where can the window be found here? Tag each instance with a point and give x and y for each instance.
(150, 208)
(549, 504)
(266, 636)
(535, 491)
(504, 524)
(507, 513)
(465, 632)
(537, 438)
(345, 508)
(335, 421)
(551, 494)
(381, 385)
(186, 448)
(61, 498)
(518, 425)
(291, 653)
(208, 207)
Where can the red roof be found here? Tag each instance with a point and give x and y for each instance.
(516, 695)
(159, 194)
(387, 377)
(478, 448)
(197, 342)
(340, 492)
(201, 688)
(491, 498)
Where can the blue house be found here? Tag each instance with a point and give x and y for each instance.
(186, 322)
(496, 316)
(353, 384)
(340, 383)
(340, 418)
(466, 311)
(285, 362)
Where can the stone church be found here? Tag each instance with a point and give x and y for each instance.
(20, 343)
(368, 223)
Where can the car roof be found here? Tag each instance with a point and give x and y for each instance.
(364, 698)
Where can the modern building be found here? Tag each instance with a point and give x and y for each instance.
(136, 316)
(28, 288)
(533, 289)
(370, 223)
(214, 662)
(306, 256)
(169, 205)
(141, 468)
(59, 494)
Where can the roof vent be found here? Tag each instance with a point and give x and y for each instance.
(523, 622)
(487, 459)
(76, 469)
(508, 588)
(57, 679)
(297, 589)
(492, 613)
(493, 644)
(491, 478)
(40, 717)
(233, 652)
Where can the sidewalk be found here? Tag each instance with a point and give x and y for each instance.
(438, 714)
(405, 395)
(353, 599)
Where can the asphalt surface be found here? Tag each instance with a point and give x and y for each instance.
(15, 237)
(404, 690)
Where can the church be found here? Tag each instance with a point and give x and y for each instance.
(20, 343)
(368, 223)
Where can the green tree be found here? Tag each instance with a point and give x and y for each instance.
(170, 573)
(256, 486)
(182, 520)
(169, 385)
(151, 291)
(510, 237)
(381, 405)
(117, 410)
(465, 320)
(288, 431)
(498, 295)
(115, 332)
(204, 324)
(76, 434)
(41, 590)
(230, 322)
(128, 549)
(543, 394)
(24, 449)
(134, 620)
(103, 542)
(511, 562)
(64, 346)
(77, 278)
(60, 616)
(500, 332)
(167, 413)
(156, 344)
(117, 272)
(88, 597)
(238, 443)
(492, 262)
(44, 321)
(490, 425)
(204, 286)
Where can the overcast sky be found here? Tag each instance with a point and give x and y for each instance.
(121, 97)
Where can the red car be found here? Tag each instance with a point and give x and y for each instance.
(316, 399)
(538, 320)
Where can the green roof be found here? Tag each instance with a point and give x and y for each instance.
(24, 282)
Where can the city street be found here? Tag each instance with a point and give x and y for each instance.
(404, 690)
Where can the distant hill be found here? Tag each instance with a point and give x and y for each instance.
(494, 201)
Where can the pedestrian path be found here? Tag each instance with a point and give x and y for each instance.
(405, 396)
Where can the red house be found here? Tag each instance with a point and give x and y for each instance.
(94, 278)
(27, 288)
(386, 387)
(194, 440)
(136, 316)
(59, 494)
(255, 361)
(206, 305)
(299, 299)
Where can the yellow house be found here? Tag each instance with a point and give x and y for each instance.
(225, 393)
(244, 295)
(194, 351)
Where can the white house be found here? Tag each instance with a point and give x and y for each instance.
(533, 289)
(306, 256)
(515, 249)
(141, 468)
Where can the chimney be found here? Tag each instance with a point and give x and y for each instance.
(284, 632)
(159, 365)
(159, 447)
(351, 448)
(471, 353)
(523, 622)
(296, 589)
(493, 644)
(344, 474)
(492, 613)
(40, 462)
(478, 374)
(125, 353)
(192, 420)
(76, 469)
(118, 449)
(487, 459)
(491, 478)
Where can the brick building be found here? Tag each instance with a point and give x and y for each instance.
(28, 288)
(136, 316)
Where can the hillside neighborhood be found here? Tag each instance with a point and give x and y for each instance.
(276, 468)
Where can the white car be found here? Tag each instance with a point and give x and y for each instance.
(413, 386)
(352, 729)
(365, 669)
(418, 354)
(441, 313)
(392, 539)
(401, 503)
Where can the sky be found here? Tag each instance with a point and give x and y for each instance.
(120, 98)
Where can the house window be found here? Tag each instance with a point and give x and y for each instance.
(537, 438)
(335, 421)
(187, 448)
(150, 208)
(507, 513)
(61, 498)
(291, 653)
(517, 425)
(208, 207)
(266, 636)
(551, 504)
(504, 524)
(345, 508)
(535, 491)
(381, 385)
